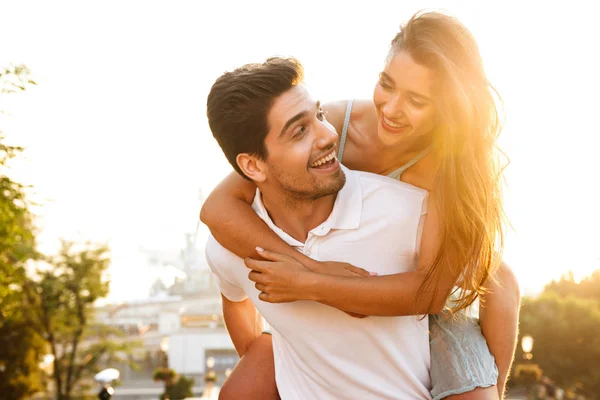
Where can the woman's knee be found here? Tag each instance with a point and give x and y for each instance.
(254, 375)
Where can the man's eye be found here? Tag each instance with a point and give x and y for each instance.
(301, 130)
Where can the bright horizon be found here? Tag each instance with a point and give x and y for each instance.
(118, 146)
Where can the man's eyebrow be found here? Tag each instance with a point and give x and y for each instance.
(296, 118)
(415, 94)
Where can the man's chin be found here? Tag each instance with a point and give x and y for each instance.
(335, 183)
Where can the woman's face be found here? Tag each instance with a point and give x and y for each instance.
(403, 97)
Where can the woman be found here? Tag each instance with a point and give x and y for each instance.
(433, 123)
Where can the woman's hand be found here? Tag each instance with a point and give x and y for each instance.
(282, 279)
(279, 278)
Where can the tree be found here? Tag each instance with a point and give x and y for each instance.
(587, 288)
(20, 346)
(15, 78)
(176, 386)
(62, 298)
(52, 312)
(567, 344)
(181, 388)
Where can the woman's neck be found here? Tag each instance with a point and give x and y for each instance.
(366, 152)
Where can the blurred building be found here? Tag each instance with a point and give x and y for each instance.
(182, 312)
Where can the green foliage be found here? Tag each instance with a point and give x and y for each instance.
(588, 288)
(20, 349)
(526, 374)
(179, 389)
(211, 376)
(20, 345)
(164, 375)
(564, 322)
(62, 300)
(15, 78)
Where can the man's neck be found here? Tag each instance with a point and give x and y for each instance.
(296, 216)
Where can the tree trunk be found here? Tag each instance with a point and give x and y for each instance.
(76, 338)
(56, 364)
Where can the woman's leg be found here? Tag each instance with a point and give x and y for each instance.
(253, 378)
(489, 393)
(462, 366)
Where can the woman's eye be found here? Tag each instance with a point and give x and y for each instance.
(417, 103)
(384, 85)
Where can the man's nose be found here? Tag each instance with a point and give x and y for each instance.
(326, 135)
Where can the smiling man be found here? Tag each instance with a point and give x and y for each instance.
(274, 134)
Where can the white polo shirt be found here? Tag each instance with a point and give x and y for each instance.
(320, 352)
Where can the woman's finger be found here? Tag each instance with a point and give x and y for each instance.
(256, 277)
(359, 271)
(355, 315)
(265, 297)
(260, 287)
(256, 265)
(272, 255)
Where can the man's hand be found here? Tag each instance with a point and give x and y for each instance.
(282, 279)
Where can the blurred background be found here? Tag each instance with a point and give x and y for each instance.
(107, 101)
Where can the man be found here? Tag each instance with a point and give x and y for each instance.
(274, 134)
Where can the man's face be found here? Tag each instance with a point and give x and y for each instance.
(301, 148)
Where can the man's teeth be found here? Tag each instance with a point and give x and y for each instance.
(324, 160)
(392, 123)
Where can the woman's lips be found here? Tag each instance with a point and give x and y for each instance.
(393, 127)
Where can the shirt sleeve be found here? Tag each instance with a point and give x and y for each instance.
(221, 263)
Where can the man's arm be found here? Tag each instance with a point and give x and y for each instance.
(243, 323)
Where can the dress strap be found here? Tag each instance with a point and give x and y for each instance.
(340, 153)
(398, 173)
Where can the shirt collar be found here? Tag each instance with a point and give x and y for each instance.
(346, 213)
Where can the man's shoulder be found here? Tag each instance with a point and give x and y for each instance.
(218, 256)
(382, 185)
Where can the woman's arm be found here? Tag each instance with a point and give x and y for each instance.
(283, 280)
(234, 224)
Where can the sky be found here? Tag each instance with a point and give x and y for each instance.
(118, 149)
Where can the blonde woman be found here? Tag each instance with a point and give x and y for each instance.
(433, 123)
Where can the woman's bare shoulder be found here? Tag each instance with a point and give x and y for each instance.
(336, 111)
(362, 108)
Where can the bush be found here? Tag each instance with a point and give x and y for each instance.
(180, 389)
(164, 375)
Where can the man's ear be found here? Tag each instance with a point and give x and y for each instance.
(252, 166)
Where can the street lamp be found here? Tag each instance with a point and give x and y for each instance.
(164, 347)
(210, 363)
(527, 346)
(210, 377)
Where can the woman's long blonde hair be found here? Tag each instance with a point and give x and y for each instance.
(469, 182)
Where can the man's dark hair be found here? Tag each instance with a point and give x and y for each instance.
(239, 103)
